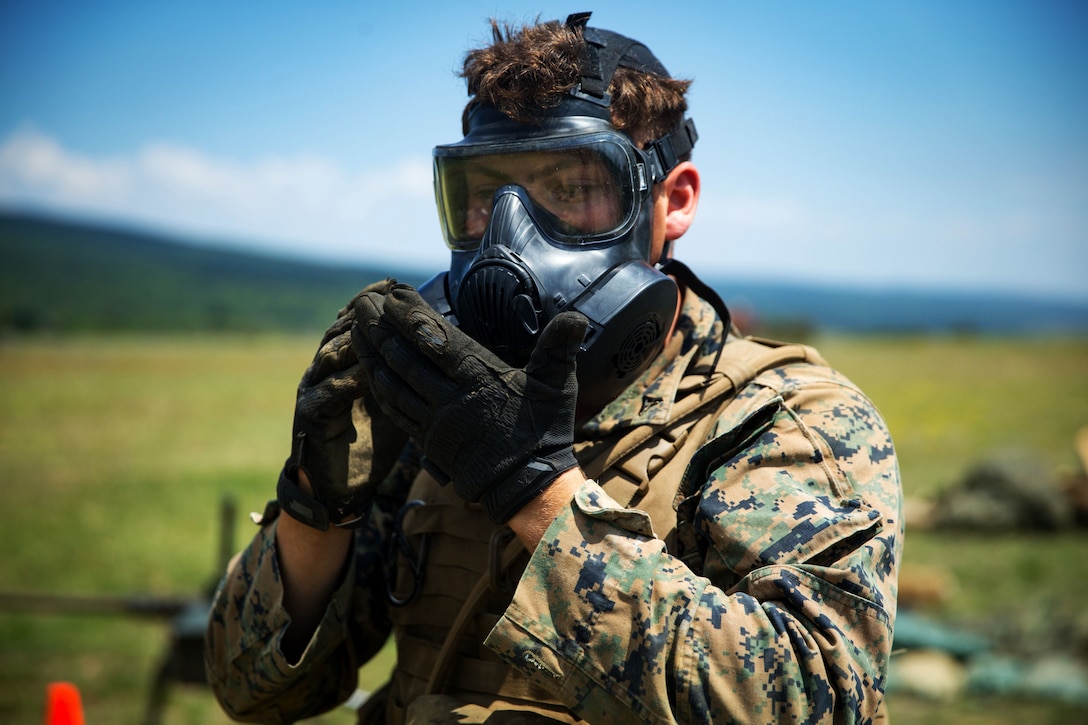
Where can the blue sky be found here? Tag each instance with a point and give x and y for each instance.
(936, 143)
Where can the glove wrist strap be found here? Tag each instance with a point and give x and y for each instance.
(300, 505)
(510, 496)
(311, 511)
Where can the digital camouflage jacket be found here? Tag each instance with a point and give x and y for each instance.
(760, 588)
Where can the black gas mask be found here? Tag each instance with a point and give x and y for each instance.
(553, 216)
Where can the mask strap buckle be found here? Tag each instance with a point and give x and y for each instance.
(665, 153)
(593, 85)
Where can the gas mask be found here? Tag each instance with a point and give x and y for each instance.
(553, 216)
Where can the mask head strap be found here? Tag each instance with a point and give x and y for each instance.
(665, 153)
(604, 52)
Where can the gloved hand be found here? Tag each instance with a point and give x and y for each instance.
(501, 434)
(341, 439)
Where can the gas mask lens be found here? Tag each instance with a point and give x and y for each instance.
(579, 193)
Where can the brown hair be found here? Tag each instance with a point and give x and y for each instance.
(532, 68)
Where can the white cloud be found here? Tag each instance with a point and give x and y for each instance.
(295, 204)
(33, 161)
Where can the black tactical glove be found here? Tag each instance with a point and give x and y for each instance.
(501, 434)
(341, 439)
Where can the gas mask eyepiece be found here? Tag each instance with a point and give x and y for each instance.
(547, 219)
(586, 182)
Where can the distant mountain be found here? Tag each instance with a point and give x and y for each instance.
(900, 310)
(67, 276)
(58, 275)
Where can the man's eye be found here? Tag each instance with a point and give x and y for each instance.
(484, 194)
(570, 193)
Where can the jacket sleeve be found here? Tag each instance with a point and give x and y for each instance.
(246, 668)
(786, 613)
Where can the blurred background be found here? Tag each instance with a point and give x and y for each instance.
(188, 193)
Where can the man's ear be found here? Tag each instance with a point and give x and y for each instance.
(682, 191)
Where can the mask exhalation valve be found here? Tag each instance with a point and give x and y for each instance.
(641, 343)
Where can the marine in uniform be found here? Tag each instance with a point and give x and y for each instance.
(564, 482)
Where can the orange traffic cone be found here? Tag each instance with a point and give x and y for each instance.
(63, 705)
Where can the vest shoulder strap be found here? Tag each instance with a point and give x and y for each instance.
(639, 457)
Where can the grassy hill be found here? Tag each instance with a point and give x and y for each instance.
(72, 277)
(66, 276)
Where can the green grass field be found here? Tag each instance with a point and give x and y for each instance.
(117, 451)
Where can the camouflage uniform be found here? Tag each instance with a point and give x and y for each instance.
(768, 594)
